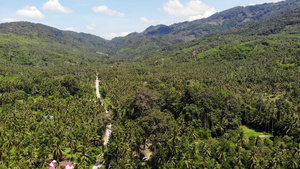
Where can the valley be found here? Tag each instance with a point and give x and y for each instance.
(220, 92)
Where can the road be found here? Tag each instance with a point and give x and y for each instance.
(107, 131)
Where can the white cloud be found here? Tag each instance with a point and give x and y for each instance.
(107, 11)
(9, 20)
(54, 5)
(30, 12)
(70, 29)
(91, 27)
(194, 9)
(146, 20)
(270, 1)
(276, 1)
(113, 35)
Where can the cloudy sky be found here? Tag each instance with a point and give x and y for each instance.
(111, 18)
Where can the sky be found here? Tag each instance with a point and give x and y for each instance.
(112, 18)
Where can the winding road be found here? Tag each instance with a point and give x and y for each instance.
(108, 127)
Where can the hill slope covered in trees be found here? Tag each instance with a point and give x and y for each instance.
(36, 44)
(87, 47)
(159, 36)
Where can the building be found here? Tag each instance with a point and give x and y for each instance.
(68, 165)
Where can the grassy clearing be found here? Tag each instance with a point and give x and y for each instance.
(251, 132)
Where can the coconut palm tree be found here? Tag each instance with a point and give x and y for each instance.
(253, 160)
(57, 153)
(84, 157)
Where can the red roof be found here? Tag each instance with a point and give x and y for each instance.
(67, 164)
(52, 164)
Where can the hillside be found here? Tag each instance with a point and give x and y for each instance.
(239, 43)
(224, 20)
(79, 48)
(36, 44)
(156, 37)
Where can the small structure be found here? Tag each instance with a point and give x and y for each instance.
(68, 165)
(48, 117)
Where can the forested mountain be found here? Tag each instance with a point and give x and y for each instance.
(159, 36)
(224, 20)
(241, 41)
(34, 44)
(229, 98)
(87, 46)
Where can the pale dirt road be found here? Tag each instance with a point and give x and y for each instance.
(107, 131)
(97, 89)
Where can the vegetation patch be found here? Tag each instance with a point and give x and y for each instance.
(248, 132)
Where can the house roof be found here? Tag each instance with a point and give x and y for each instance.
(68, 165)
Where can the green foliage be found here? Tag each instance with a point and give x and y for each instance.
(176, 107)
(162, 36)
(252, 133)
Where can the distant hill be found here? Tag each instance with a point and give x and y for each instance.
(277, 36)
(36, 44)
(53, 34)
(20, 41)
(159, 36)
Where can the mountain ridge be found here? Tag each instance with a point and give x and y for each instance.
(177, 33)
(151, 39)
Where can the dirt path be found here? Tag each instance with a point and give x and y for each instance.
(97, 89)
(107, 131)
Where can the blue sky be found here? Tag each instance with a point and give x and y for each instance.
(111, 18)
